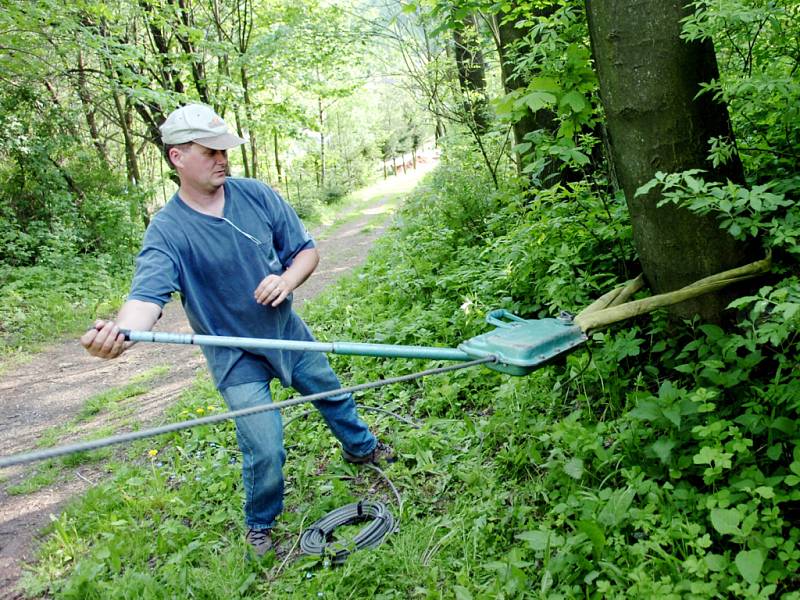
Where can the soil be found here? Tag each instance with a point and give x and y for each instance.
(52, 387)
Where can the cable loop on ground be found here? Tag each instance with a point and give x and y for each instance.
(318, 540)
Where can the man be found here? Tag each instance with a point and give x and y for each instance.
(235, 251)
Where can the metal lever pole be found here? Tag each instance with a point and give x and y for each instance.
(349, 348)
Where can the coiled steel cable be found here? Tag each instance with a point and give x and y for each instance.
(317, 539)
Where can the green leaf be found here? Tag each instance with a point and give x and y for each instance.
(663, 448)
(574, 468)
(462, 593)
(523, 147)
(616, 509)
(544, 84)
(538, 100)
(695, 185)
(538, 540)
(765, 492)
(716, 562)
(644, 189)
(574, 100)
(775, 451)
(646, 410)
(595, 534)
(726, 521)
(749, 563)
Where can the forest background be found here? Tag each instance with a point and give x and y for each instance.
(580, 141)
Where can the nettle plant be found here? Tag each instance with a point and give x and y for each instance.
(721, 431)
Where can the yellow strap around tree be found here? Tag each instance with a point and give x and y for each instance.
(613, 307)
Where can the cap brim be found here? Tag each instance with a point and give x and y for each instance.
(226, 141)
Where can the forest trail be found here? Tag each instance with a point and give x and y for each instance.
(46, 401)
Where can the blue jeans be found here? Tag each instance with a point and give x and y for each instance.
(260, 436)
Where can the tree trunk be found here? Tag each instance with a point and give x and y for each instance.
(471, 72)
(278, 166)
(649, 80)
(510, 46)
(243, 147)
(89, 111)
(322, 167)
(183, 27)
(125, 115)
(248, 111)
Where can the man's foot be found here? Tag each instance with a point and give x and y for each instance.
(260, 540)
(381, 453)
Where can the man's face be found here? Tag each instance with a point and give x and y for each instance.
(201, 167)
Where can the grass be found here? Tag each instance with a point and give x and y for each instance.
(45, 475)
(194, 478)
(112, 402)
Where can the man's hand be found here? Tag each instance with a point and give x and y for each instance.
(104, 340)
(273, 290)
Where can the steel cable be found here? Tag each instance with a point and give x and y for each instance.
(27, 457)
(317, 539)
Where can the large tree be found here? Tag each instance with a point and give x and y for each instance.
(657, 120)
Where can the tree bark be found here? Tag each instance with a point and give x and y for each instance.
(198, 67)
(243, 147)
(649, 81)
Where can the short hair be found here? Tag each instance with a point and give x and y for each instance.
(167, 147)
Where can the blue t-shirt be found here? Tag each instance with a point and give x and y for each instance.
(216, 264)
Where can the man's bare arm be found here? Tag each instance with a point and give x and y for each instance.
(105, 341)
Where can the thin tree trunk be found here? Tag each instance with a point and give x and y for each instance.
(243, 147)
(278, 166)
(510, 45)
(471, 72)
(89, 112)
(195, 60)
(321, 143)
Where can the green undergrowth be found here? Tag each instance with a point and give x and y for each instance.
(58, 297)
(662, 460)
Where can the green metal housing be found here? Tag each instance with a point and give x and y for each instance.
(523, 345)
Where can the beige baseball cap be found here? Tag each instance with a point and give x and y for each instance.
(198, 123)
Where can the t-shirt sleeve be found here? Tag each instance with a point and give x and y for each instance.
(156, 275)
(289, 235)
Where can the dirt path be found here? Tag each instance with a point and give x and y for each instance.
(52, 388)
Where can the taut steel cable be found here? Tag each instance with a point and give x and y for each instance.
(26, 457)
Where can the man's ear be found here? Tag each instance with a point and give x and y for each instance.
(176, 157)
